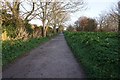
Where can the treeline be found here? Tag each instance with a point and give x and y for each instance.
(85, 24)
(16, 15)
(106, 22)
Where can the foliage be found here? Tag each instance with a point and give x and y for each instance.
(98, 52)
(61, 28)
(70, 28)
(13, 49)
(8, 24)
(29, 28)
(11, 31)
(49, 32)
(85, 24)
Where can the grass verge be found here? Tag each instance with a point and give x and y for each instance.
(14, 49)
(97, 51)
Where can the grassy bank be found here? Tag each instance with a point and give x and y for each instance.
(13, 49)
(98, 52)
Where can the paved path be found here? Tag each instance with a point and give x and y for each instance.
(50, 60)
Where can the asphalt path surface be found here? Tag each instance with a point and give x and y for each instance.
(52, 59)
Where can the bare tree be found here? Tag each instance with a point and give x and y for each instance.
(43, 14)
(108, 21)
(50, 12)
(119, 16)
(19, 18)
(53, 12)
(86, 24)
(59, 15)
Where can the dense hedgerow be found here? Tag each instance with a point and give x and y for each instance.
(97, 51)
(13, 49)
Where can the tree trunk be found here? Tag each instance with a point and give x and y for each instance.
(43, 33)
(119, 24)
(43, 29)
(54, 28)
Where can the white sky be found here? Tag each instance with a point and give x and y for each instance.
(94, 8)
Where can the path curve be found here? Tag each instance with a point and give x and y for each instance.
(50, 60)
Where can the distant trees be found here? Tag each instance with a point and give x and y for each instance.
(70, 28)
(108, 22)
(51, 14)
(61, 28)
(55, 13)
(85, 24)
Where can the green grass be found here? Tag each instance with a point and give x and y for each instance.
(13, 49)
(98, 52)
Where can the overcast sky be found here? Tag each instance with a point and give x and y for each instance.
(94, 8)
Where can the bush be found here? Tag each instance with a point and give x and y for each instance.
(28, 28)
(11, 30)
(98, 52)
